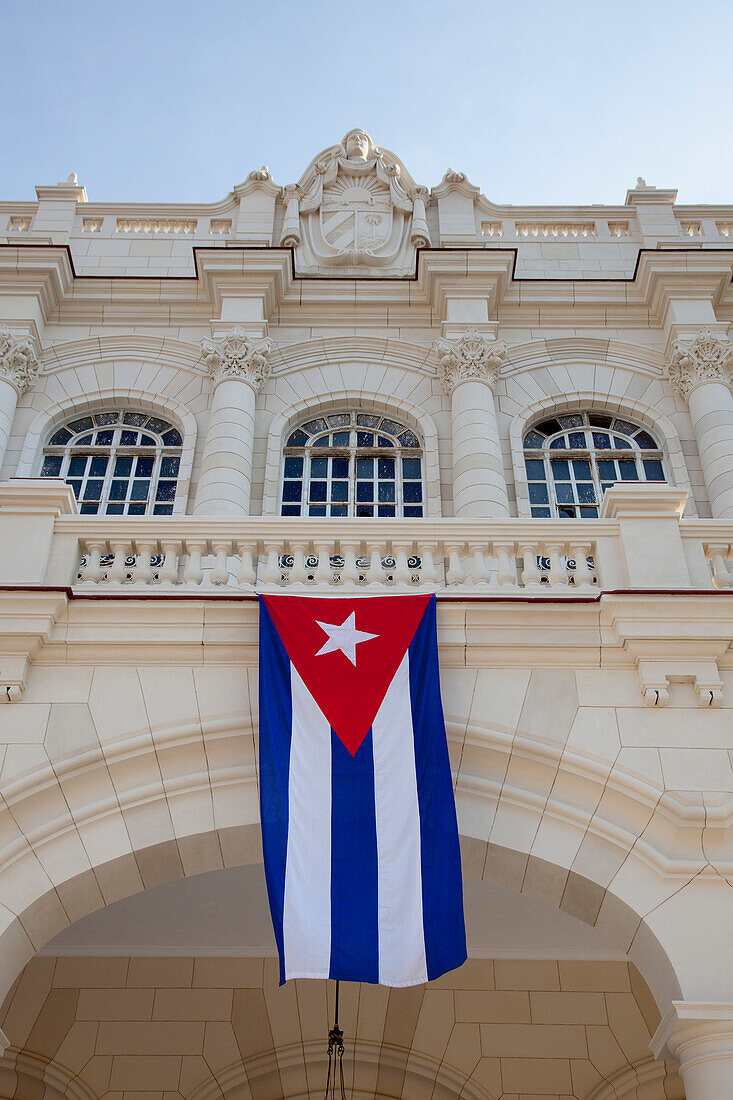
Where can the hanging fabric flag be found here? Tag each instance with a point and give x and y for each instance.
(358, 819)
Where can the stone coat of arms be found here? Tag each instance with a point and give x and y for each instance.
(355, 207)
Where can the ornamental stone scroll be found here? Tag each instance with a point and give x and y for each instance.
(701, 369)
(238, 365)
(18, 373)
(469, 369)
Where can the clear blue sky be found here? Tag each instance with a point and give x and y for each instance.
(175, 101)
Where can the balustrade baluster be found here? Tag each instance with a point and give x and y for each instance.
(143, 571)
(271, 572)
(507, 574)
(558, 572)
(220, 573)
(247, 574)
(531, 574)
(583, 572)
(718, 554)
(428, 572)
(375, 574)
(350, 550)
(454, 573)
(480, 573)
(117, 572)
(168, 574)
(297, 574)
(193, 573)
(92, 573)
(400, 550)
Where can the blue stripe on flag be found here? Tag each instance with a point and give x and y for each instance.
(354, 927)
(442, 884)
(276, 724)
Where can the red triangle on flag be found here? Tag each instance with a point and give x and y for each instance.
(346, 651)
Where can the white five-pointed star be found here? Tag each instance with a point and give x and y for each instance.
(345, 637)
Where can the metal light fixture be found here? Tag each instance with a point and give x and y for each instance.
(335, 1089)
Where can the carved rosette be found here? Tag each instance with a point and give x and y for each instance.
(471, 358)
(237, 355)
(18, 362)
(707, 358)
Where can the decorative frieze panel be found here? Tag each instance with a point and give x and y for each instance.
(619, 229)
(556, 229)
(691, 229)
(19, 223)
(237, 355)
(355, 208)
(472, 357)
(707, 358)
(92, 225)
(168, 226)
(220, 227)
(18, 362)
(492, 229)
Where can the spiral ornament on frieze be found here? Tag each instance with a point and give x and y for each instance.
(707, 358)
(472, 357)
(238, 355)
(18, 362)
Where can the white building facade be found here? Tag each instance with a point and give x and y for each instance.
(355, 383)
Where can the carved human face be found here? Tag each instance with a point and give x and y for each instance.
(357, 145)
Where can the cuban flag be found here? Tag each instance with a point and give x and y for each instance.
(358, 818)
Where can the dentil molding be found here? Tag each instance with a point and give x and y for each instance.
(707, 358)
(18, 362)
(238, 355)
(472, 357)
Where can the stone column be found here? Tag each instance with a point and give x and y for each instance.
(702, 370)
(18, 372)
(238, 365)
(469, 370)
(700, 1038)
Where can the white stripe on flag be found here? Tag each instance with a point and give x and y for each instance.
(307, 903)
(401, 934)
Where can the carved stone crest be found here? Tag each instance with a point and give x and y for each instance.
(355, 208)
(237, 355)
(471, 358)
(707, 358)
(18, 362)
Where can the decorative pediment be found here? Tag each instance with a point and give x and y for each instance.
(356, 210)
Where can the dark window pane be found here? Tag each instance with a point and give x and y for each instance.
(365, 439)
(144, 467)
(136, 419)
(106, 418)
(386, 510)
(538, 493)
(76, 486)
(339, 490)
(103, 439)
(319, 467)
(564, 511)
(322, 441)
(564, 493)
(581, 468)
(114, 509)
(364, 510)
(317, 490)
(292, 490)
(339, 510)
(571, 420)
(391, 426)
(166, 491)
(339, 467)
(60, 437)
(411, 468)
(607, 470)
(147, 441)
(317, 510)
(341, 439)
(172, 438)
(367, 420)
(383, 441)
(123, 467)
(588, 513)
(621, 444)
(93, 490)
(315, 427)
(535, 469)
(549, 427)
(540, 513)
(140, 490)
(559, 443)
(298, 439)
(413, 511)
(385, 467)
(170, 464)
(644, 440)
(98, 467)
(628, 471)
(577, 440)
(600, 420)
(601, 440)
(364, 467)
(409, 439)
(128, 439)
(155, 425)
(586, 492)
(82, 425)
(51, 466)
(85, 439)
(625, 427)
(412, 492)
(364, 490)
(163, 510)
(339, 420)
(561, 469)
(293, 467)
(386, 495)
(653, 469)
(118, 490)
(533, 439)
(89, 508)
(136, 509)
(77, 465)
(290, 510)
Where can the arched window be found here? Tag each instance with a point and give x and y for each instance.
(572, 459)
(352, 464)
(119, 462)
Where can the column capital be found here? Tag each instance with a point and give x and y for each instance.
(706, 358)
(18, 362)
(691, 1032)
(238, 355)
(470, 357)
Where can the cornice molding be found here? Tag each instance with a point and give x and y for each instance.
(707, 358)
(471, 358)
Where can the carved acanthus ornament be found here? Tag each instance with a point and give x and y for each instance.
(471, 358)
(707, 358)
(238, 355)
(18, 362)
